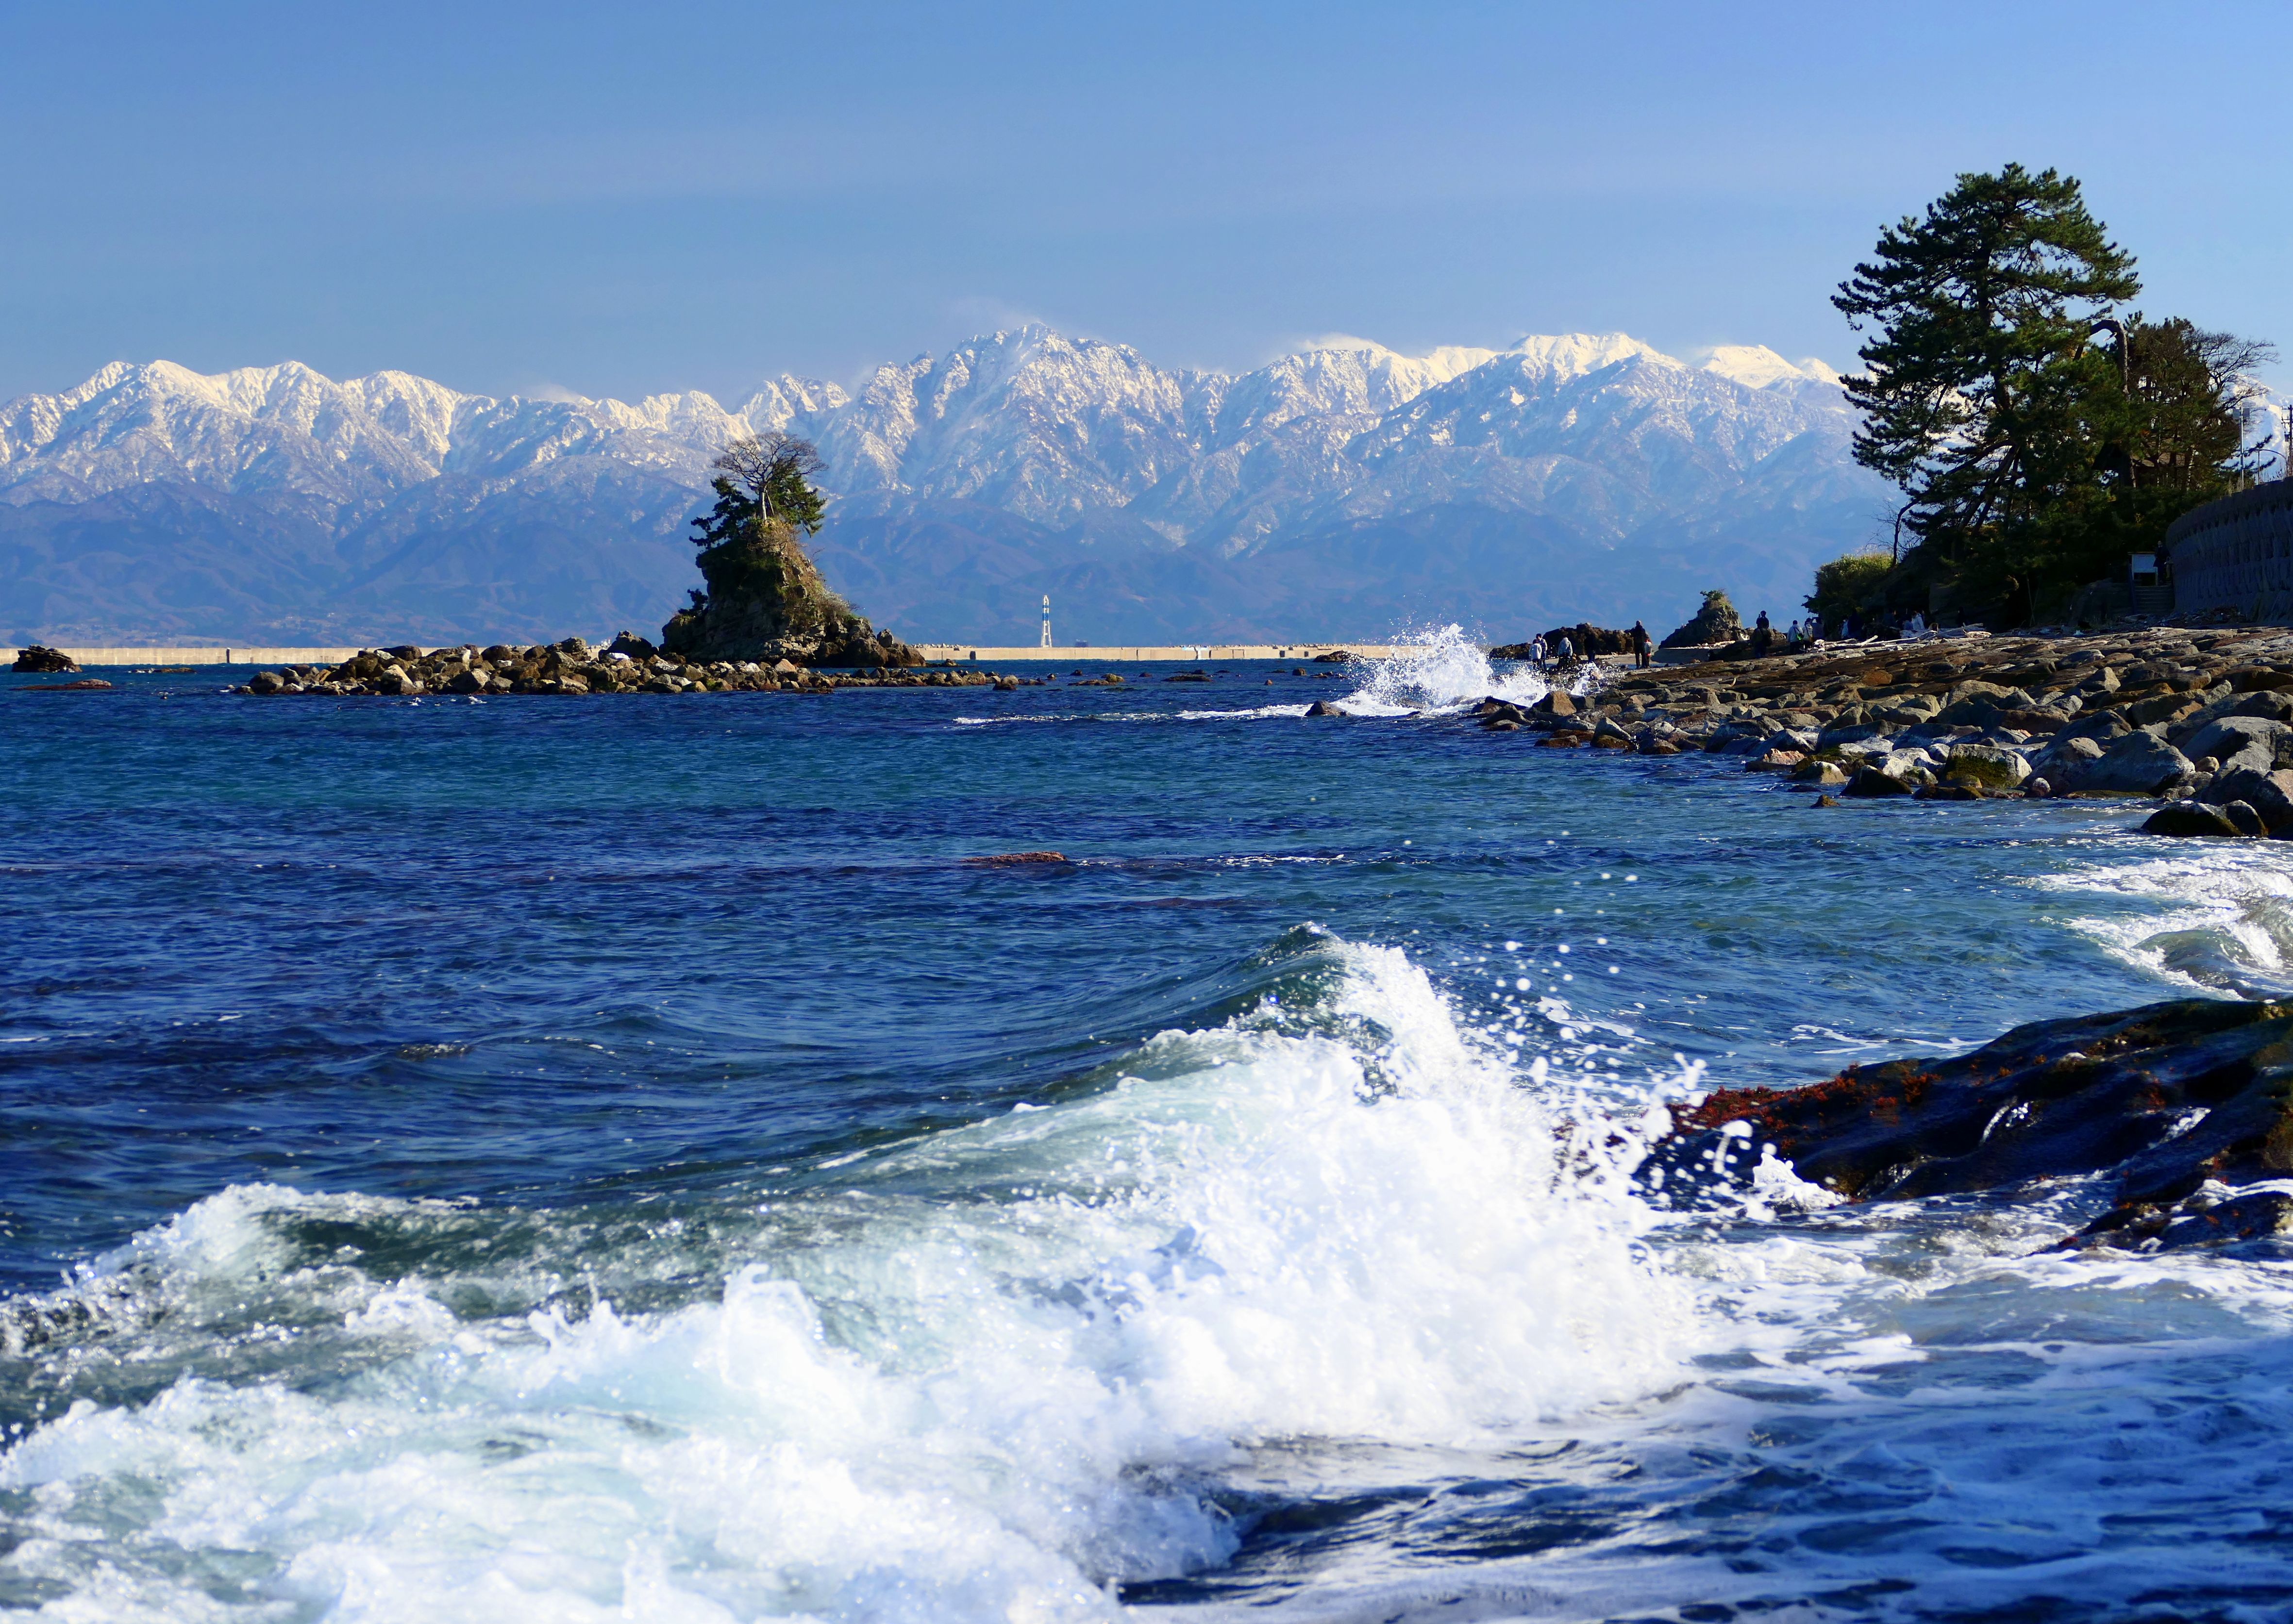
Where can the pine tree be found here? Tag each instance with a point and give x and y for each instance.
(1983, 398)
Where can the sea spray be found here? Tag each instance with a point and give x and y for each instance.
(1441, 671)
(981, 1374)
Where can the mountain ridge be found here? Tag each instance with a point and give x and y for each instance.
(1566, 475)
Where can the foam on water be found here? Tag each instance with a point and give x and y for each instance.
(983, 1373)
(1443, 671)
(2220, 917)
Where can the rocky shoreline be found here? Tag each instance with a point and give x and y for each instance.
(2198, 721)
(2184, 1109)
(628, 664)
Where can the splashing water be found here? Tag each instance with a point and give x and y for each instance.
(982, 1375)
(1443, 672)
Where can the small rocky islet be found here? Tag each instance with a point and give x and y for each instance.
(2199, 720)
(628, 664)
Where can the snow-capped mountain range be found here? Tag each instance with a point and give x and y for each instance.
(1338, 492)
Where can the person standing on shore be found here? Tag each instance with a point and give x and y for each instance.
(1536, 651)
(1567, 652)
(1640, 647)
(1763, 637)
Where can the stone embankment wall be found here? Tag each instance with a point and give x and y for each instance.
(2236, 554)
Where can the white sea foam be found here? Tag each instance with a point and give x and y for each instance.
(991, 1371)
(2212, 914)
(1440, 671)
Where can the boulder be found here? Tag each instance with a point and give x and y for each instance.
(43, 661)
(2253, 742)
(2140, 763)
(1870, 782)
(1776, 761)
(1991, 766)
(2248, 821)
(1826, 774)
(2269, 794)
(2257, 679)
(2186, 819)
(1554, 704)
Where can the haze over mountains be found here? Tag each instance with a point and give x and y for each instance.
(1342, 492)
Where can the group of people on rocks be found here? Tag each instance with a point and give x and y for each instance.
(1561, 652)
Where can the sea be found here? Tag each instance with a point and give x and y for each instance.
(628, 1159)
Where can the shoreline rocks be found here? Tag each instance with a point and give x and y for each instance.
(2166, 714)
(630, 665)
(2185, 1107)
(40, 661)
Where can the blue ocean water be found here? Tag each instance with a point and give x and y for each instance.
(618, 1159)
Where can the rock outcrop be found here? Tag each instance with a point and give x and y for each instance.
(1716, 622)
(766, 602)
(44, 660)
(572, 667)
(2186, 1106)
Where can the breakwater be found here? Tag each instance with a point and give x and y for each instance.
(269, 655)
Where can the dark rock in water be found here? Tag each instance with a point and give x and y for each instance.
(632, 645)
(43, 661)
(2183, 1102)
(85, 685)
(2248, 821)
(2188, 819)
(1870, 782)
(1323, 707)
(1013, 859)
(1334, 657)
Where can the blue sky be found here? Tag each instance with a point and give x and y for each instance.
(622, 199)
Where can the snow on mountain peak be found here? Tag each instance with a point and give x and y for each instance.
(1569, 355)
(1757, 366)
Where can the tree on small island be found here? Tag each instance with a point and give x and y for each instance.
(764, 598)
(2033, 457)
(1715, 621)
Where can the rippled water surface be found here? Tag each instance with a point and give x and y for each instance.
(616, 1159)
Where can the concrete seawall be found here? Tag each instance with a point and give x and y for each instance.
(250, 656)
(987, 654)
(2236, 554)
(966, 652)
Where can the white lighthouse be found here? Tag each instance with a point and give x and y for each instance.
(1047, 620)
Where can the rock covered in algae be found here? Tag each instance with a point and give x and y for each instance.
(2186, 1107)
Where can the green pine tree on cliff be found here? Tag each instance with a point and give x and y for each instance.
(1981, 387)
(2032, 455)
(764, 598)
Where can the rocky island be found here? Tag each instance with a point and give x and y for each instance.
(764, 621)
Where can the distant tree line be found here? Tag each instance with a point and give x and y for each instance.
(2039, 429)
